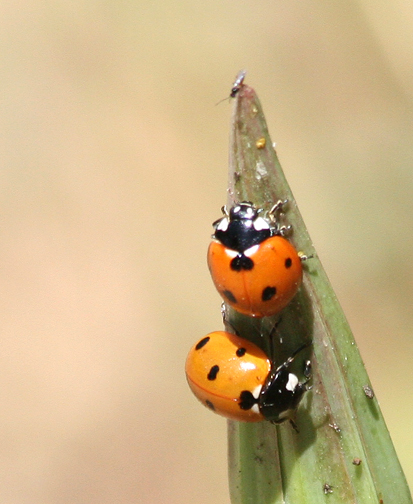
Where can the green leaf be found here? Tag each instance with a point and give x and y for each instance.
(343, 452)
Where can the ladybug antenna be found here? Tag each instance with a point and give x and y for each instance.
(271, 337)
(307, 370)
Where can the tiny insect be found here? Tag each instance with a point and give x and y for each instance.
(239, 79)
(236, 86)
(368, 391)
(328, 489)
(335, 427)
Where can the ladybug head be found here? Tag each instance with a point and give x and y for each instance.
(242, 227)
(244, 211)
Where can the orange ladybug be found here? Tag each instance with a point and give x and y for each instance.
(254, 268)
(234, 378)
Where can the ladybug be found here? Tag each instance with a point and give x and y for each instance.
(254, 268)
(234, 378)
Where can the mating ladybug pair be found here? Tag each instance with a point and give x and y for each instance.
(257, 272)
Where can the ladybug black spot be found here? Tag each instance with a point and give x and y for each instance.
(246, 400)
(288, 262)
(241, 262)
(213, 373)
(268, 293)
(230, 296)
(202, 343)
(210, 405)
(241, 352)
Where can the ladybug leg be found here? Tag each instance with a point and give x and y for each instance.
(307, 369)
(278, 207)
(304, 257)
(294, 425)
(307, 372)
(224, 210)
(305, 387)
(302, 386)
(274, 327)
(271, 335)
(284, 230)
(272, 216)
(227, 324)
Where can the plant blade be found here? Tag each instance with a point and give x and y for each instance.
(343, 451)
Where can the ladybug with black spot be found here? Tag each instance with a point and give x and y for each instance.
(234, 378)
(254, 268)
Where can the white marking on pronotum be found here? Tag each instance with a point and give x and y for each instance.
(292, 382)
(260, 224)
(223, 224)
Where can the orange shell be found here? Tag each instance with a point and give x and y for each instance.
(236, 374)
(245, 290)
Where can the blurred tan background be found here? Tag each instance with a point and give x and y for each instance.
(113, 167)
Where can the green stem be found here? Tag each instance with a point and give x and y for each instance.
(339, 425)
